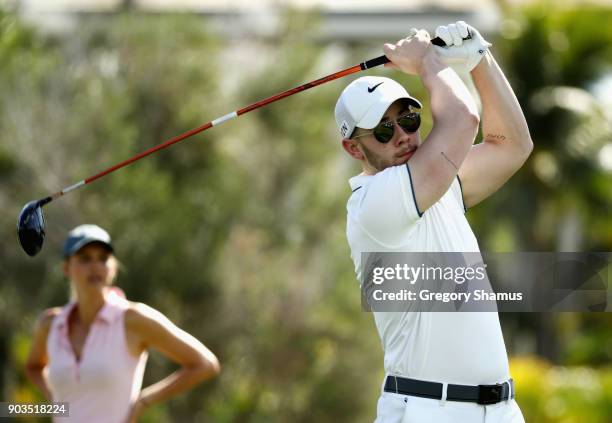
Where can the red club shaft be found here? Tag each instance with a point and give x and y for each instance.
(353, 69)
(296, 90)
(210, 124)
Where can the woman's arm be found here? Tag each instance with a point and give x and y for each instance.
(37, 358)
(154, 330)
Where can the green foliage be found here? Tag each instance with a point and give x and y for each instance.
(550, 394)
(553, 56)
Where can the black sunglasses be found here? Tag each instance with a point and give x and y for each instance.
(384, 131)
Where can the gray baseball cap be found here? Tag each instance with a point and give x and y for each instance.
(83, 235)
(365, 100)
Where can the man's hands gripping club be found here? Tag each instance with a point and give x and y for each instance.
(411, 54)
(465, 47)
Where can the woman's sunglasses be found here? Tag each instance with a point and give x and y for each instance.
(384, 131)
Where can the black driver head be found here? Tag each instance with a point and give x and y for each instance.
(31, 227)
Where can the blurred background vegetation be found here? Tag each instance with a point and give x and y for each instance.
(238, 234)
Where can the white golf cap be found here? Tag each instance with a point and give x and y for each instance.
(364, 101)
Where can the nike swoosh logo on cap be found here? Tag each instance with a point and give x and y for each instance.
(371, 89)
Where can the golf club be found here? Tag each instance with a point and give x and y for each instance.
(31, 221)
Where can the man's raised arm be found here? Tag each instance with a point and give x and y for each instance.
(436, 163)
(506, 140)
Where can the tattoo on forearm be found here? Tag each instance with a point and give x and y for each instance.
(498, 137)
(449, 160)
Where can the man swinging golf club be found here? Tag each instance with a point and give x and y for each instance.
(411, 197)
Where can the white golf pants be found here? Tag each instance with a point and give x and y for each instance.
(398, 408)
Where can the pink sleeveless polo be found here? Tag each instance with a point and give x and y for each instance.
(106, 382)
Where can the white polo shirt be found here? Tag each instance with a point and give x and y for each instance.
(460, 347)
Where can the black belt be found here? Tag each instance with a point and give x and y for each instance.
(481, 394)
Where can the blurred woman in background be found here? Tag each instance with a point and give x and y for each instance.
(91, 353)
